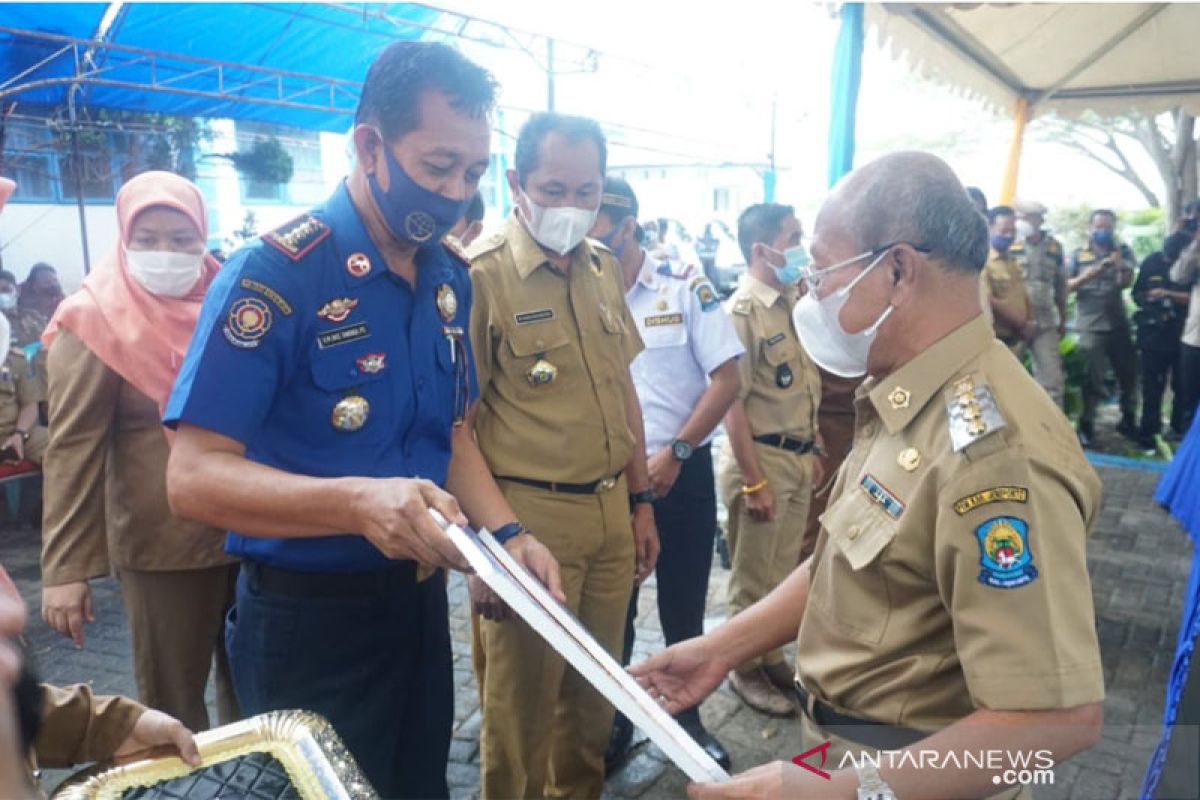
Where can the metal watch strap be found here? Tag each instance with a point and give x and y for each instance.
(871, 785)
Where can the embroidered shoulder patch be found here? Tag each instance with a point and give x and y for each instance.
(1004, 556)
(296, 238)
(269, 293)
(996, 494)
(248, 321)
(705, 293)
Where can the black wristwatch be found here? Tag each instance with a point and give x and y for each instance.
(644, 496)
(682, 449)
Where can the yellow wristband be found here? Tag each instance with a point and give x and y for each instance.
(758, 487)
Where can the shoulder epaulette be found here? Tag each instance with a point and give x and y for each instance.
(741, 305)
(972, 411)
(484, 245)
(296, 238)
(456, 252)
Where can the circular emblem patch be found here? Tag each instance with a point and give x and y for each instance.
(249, 319)
(358, 264)
(447, 302)
(419, 226)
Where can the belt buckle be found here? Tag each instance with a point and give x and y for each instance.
(606, 484)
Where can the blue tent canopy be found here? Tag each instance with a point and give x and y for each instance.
(297, 64)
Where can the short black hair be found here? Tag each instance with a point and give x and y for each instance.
(759, 224)
(1105, 212)
(39, 268)
(999, 211)
(5, 275)
(541, 125)
(1191, 208)
(976, 194)
(405, 70)
(619, 200)
(475, 209)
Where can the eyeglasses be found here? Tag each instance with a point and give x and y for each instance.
(814, 275)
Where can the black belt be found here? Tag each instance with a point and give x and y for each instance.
(595, 487)
(869, 732)
(785, 442)
(328, 584)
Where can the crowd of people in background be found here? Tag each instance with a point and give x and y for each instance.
(561, 381)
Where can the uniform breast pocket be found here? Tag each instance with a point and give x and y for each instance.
(537, 356)
(859, 533)
(782, 361)
(355, 395)
(665, 329)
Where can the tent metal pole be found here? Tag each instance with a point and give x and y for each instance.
(1008, 189)
(77, 168)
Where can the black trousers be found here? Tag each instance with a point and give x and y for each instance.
(1159, 367)
(375, 664)
(687, 523)
(1189, 384)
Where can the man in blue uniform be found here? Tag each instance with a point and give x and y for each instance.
(322, 408)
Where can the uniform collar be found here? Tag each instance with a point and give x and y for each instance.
(352, 238)
(900, 396)
(648, 276)
(528, 255)
(760, 291)
(996, 255)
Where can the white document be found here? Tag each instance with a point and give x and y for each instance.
(555, 623)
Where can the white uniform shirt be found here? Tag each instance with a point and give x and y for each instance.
(686, 336)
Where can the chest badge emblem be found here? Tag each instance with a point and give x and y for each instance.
(447, 302)
(350, 413)
(783, 376)
(542, 373)
(899, 397)
(371, 363)
(909, 459)
(358, 264)
(338, 309)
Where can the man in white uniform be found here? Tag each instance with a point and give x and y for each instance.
(686, 379)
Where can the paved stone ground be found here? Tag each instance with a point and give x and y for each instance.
(1138, 559)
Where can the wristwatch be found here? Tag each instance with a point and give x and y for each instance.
(644, 496)
(24, 434)
(682, 449)
(870, 785)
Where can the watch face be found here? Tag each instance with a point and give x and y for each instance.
(681, 450)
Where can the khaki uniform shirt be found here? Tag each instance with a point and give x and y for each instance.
(1185, 271)
(79, 727)
(1002, 277)
(1045, 275)
(18, 388)
(950, 572)
(1100, 303)
(105, 475)
(781, 387)
(552, 354)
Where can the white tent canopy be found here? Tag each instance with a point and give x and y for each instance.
(1061, 57)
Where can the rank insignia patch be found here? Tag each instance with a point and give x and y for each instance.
(1004, 554)
(372, 363)
(249, 319)
(298, 237)
(338, 309)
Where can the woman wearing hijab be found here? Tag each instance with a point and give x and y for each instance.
(114, 349)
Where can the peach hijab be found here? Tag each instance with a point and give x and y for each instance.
(140, 336)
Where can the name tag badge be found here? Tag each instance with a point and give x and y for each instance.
(529, 317)
(350, 333)
(663, 319)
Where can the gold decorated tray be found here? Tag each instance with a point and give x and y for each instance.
(281, 755)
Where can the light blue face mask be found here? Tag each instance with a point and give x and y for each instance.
(795, 259)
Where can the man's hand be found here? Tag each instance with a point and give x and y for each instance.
(156, 729)
(780, 780)
(682, 675)
(645, 541)
(66, 607)
(1091, 273)
(394, 516)
(536, 558)
(760, 504)
(17, 443)
(485, 602)
(664, 471)
(12, 623)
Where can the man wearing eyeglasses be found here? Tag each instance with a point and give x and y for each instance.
(947, 610)
(766, 474)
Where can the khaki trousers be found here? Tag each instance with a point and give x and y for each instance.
(545, 729)
(1047, 363)
(176, 623)
(35, 448)
(764, 553)
(813, 735)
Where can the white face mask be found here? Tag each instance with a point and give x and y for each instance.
(165, 272)
(561, 228)
(8, 301)
(819, 326)
(1025, 228)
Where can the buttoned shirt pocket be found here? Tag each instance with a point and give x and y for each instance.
(537, 357)
(342, 373)
(859, 531)
(664, 329)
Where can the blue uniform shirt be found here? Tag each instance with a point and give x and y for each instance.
(303, 318)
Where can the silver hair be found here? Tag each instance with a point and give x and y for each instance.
(914, 197)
